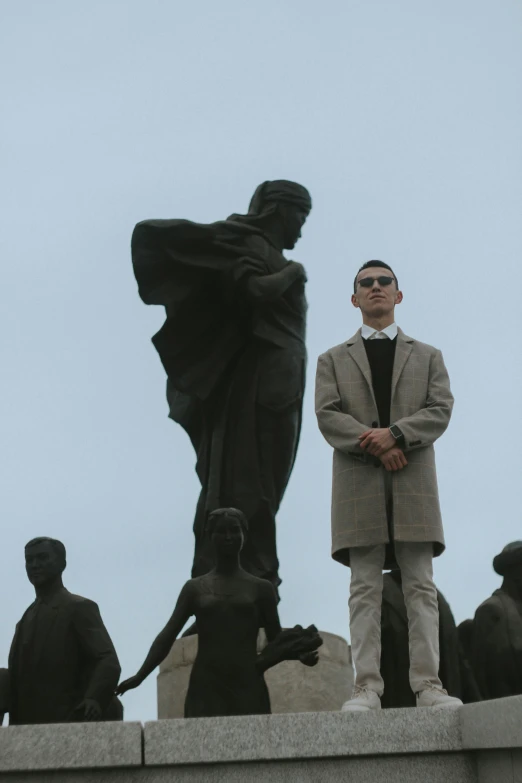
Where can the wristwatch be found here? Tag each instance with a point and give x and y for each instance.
(396, 432)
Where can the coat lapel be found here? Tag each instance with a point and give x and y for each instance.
(358, 354)
(14, 644)
(45, 630)
(402, 353)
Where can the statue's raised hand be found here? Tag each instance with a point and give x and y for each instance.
(300, 271)
(128, 685)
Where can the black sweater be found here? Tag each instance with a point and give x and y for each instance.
(381, 355)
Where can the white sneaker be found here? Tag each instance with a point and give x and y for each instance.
(436, 697)
(363, 700)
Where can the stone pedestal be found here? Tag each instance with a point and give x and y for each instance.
(292, 686)
(476, 743)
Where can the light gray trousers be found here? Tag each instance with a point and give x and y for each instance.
(416, 563)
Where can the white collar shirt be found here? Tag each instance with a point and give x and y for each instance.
(389, 333)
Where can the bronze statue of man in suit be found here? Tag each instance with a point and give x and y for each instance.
(62, 665)
(496, 634)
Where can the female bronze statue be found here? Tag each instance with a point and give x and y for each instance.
(233, 348)
(230, 606)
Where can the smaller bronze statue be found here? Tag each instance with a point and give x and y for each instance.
(496, 648)
(62, 666)
(395, 658)
(230, 606)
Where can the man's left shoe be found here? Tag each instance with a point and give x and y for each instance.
(436, 697)
(363, 700)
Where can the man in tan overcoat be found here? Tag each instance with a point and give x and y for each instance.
(382, 400)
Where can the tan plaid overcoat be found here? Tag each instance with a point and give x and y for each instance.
(421, 405)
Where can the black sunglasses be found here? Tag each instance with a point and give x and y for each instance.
(383, 280)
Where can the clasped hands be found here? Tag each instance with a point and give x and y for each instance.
(379, 442)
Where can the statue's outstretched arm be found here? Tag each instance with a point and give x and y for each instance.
(164, 640)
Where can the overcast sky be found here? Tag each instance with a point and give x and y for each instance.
(403, 119)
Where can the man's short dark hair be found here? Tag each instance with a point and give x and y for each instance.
(57, 546)
(369, 264)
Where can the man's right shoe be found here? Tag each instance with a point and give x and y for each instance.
(436, 697)
(363, 700)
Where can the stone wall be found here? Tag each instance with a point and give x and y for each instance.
(477, 743)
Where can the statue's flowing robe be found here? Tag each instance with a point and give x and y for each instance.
(235, 368)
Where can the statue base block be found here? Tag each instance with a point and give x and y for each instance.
(293, 687)
(477, 743)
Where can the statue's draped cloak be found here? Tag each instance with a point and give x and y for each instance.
(235, 368)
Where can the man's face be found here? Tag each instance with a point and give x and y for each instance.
(294, 220)
(377, 300)
(42, 563)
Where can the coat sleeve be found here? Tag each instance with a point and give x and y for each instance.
(97, 647)
(422, 428)
(340, 429)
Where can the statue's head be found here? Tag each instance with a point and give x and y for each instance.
(509, 562)
(45, 559)
(287, 202)
(227, 528)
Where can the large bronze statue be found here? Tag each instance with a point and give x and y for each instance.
(230, 605)
(62, 665)
(496, 648)
(233, 347)
(454, 670)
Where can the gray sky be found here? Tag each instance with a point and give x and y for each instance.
(403, 119)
